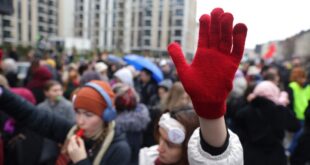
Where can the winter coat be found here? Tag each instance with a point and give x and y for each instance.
(62, 108)
(133, 123)
(18, 143)
(260, 127)
(56, 128)
(232, 155)
(147, 91)
(301, 154)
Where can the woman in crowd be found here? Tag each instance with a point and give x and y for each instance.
(220, 49)
(102, 143)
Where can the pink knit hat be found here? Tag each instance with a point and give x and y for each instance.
(270, 91)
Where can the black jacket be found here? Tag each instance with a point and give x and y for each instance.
(56, 128)
(301, 154)
(261, 127)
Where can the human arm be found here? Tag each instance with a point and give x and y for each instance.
(42, 122)
(208, 79)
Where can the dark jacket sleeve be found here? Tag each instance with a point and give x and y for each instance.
(84, 162)
(291, 98)
(290, 122)
(40, 121)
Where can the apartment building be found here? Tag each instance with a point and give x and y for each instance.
(93, 19)
(141, 26)
(30, 19)
(137, 25)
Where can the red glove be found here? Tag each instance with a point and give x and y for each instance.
(208, 80)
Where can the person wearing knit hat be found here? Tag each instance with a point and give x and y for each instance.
(125, 76)
(207, 80)
(89, 76)
(94, 139)
(102, 69)
(90, 100)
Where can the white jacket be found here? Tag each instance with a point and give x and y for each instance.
(233, 155)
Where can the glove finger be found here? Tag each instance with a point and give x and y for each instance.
(215, 27)
(177, 56)
(226, 32)
(239, 36)
(204, 27)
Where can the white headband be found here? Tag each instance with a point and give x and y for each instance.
(175, 130)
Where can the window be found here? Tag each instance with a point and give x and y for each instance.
(140, 19)
(105, 38)
(41, 29)
(132, 39)
(7, 34)
(41, 19)
(178, 22)
(147, 42)
(159, 39)
(148, 13)
(179, 12)
(50, 30)
(19, 10)
(6, 23)
(98, 7)
(41, 10)
(159, 19)
(29, 33)
(148, 23)
(19, 31)
(178, 32)
(180, 2)
(147, 32)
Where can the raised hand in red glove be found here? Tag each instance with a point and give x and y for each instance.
(208, 79)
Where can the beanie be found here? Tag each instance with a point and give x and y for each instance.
(87, 98)
(125, 76)
(100, 67)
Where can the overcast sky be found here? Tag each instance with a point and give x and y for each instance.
(266, 19)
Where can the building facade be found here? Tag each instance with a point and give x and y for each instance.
(30, 19)
(146, 26)
(126, 26)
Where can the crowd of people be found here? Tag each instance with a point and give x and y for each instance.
(215, 110)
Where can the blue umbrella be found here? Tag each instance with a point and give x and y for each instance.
(139, 62)
(115, 59)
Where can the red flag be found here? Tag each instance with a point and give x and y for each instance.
(270, 52)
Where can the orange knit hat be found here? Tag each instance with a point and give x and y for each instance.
(90, 100)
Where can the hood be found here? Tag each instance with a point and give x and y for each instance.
(133, 121)
(42, 74)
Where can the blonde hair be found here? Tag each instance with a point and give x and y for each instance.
(174, 97)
